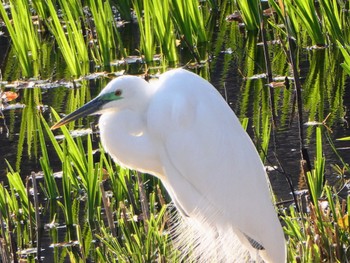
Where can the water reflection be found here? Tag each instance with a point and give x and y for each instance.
(233, 60)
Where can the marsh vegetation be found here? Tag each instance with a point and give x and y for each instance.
(282, 66)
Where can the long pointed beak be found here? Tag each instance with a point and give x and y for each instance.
(87, 109)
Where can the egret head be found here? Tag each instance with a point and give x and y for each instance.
(123, 92)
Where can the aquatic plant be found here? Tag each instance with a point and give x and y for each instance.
(24, 35)
(107, 38)
(190, 25)
(346, 54)
(163, 28)
(250, 14)
(69, 39)
(147, 44)
(100, 206)
(307, 15)
(334, 20)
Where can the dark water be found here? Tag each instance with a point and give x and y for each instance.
(225, 73)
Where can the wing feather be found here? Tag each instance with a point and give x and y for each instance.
(209, 161)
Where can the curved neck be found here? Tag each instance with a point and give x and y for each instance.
(125, 137)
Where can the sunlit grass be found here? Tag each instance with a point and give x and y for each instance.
(321, 233)
(107, 35)
(70, 39)
(23, 34)
(190, 25)
(306, 13)
(316, 234)
(250, 14)
(346, 54)
(147, 44)
(27, 135)
(334, 19)
(164, 28)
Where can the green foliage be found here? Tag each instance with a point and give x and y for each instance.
(163, 27)
(144, 241)
(107, 35)
(345, 51)
(51, 189)
(23, 34)
(28, 135)
(250, 13)
(323, 24)
(70, 40)
(306, 12)
(146, 29)
(320, 235)
(138, 231)
(315, 178)
(333, 19)
(189, 24)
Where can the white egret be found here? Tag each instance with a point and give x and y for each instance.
(181, 130)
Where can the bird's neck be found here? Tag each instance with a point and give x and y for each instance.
(125, 137)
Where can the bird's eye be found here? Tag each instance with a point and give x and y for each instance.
(118, 92)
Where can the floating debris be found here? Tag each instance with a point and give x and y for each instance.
(9, 96)
(269, 12)
(196, 65)
(270, 168)
(97, 75)
(51, 225)
(76, 133)
(127, 60)
(58, 174)
(272, 42)
(323, 123)
(12, 106)
(28, 251)
(227, 51)
(277, 84)
(301, 192)
(235, 17)
(49, 84)
(257, 76)
(317, 46)
(65, 244)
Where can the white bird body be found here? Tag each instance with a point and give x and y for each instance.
(181, 130)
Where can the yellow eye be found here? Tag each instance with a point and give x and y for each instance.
(118, 92)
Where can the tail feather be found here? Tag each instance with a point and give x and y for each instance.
(199, 239)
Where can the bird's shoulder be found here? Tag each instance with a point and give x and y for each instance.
(184, 102)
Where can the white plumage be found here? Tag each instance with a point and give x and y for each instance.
(181, 130)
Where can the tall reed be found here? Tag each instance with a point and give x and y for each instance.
(307, 14)
(250, 14)
(70, 39)
(24, 35)
(163, 28)
(107, 35)
(346, 54)
(190, 25)
(334, 20)
(147, 44)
